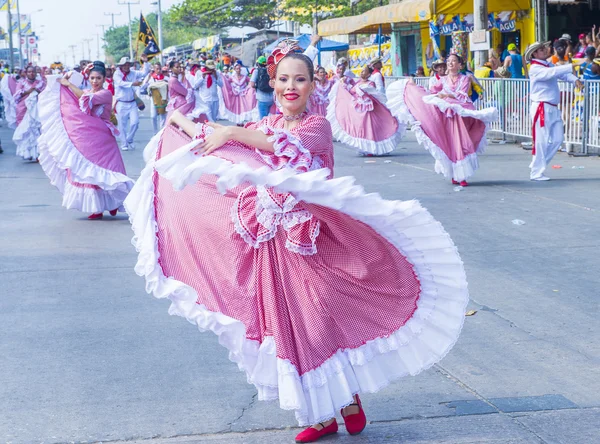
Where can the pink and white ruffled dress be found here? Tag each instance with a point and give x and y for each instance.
(452, 130)
(28, 122)
(319, 99)
(79, 152)
(181, 96)
(318, 290)
(8, 87)
(359, 118)
(237, 101)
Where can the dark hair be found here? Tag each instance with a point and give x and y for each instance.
(99, 67)
(157, 63)
(590, 52)
(307, 61)
(172, 63)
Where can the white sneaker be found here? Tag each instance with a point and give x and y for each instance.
(125, 148)
(541, 178)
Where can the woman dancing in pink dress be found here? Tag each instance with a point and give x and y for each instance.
(78, 149)
(319, 99)
(318, 290)
(181, 94)
(445, 120)
(28, 122)
(359, 117)
(238, 100)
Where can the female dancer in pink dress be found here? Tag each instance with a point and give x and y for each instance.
(28, 120)
(78, 149)
(359, 117)
(318, 290)
(181, 94)
(445, 121)
(8, 87)
(238, 101)
(319, 99)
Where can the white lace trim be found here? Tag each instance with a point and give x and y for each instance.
(487, 115)
(299, 157)
(362, 145)
(318, 394)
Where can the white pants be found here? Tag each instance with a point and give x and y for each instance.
(213, 111)
(158, 120)
(128, 118)
(548, 138)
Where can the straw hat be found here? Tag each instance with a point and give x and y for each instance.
(533, 48)
(342, 61)
(502, 72)
(438, 62)
(210, 64)
(123, 61)
(374, 61)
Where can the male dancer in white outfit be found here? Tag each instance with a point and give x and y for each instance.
(377, 77)
(206, 81)
(548, 129)
(125, 79)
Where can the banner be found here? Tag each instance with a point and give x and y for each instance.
(4, 5)
(358, 58)
(25, 24)
(505, 21)
(147, 38)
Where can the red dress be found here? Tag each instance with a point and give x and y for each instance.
(318, 290)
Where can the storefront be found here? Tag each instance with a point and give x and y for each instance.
(420, 29)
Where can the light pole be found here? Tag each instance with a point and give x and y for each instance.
(103, 38)
(129, 3)
(160, 35)
(89, 50)
(19, 34)
(112, 15)
(73, 49)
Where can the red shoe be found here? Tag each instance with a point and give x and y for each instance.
(455, 182)
(312, 435)
(113, 212)
(357, 422)
(95, 216)
(463, 183)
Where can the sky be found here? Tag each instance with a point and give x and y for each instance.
(62, 23)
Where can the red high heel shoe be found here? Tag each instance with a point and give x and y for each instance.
(312, 435)
(463, 183)
(455, 182)
(113, 212)
(95, 216)
(357, 422)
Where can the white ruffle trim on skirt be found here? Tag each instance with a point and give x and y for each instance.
(486, 115)
(362, 145)
(58, 154)
(27, 132)
(318, 394)
(248, 116)
(460, 170)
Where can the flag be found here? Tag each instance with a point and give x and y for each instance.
(4, 5)
(147, 38)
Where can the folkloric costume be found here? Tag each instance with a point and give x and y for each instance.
(79, 152)
(206, 82)
(318, 290)
(359, 118)
(548, 129)
(377, 77)
(8, 87)
(28, 119)
(238, 101)
(319, 99)
(451, 129)
(181, 96)
(126, 108)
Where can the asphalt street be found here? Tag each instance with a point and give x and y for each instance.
(87, 356)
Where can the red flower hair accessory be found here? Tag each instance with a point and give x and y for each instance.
(284, 48)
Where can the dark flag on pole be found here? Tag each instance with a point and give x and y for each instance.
(147, 38)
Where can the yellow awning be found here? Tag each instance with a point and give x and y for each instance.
(408, 11)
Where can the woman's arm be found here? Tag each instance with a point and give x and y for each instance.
(78, 92)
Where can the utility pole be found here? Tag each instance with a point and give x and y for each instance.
(10, 39)
(19, 33)
(103, 38)
(160, 38)
(480, 22)
(89, 50)
(73, 49)
(83, 50)
(129, 3)
(112, 14)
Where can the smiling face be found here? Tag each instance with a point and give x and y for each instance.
(238, 69)
(293, 85)
(126, 68)
(453, 64)
(30, 73)
(96, 80)
(541, 53)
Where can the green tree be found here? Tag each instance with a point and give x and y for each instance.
(302, 10)
(221, 14)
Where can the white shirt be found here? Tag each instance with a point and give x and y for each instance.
(544, 79)
(205, 93)
(377, 79)
(124, 85)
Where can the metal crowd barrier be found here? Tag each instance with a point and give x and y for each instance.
(580, 111)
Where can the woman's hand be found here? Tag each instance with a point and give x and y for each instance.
(216, 140)
(64, 81)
